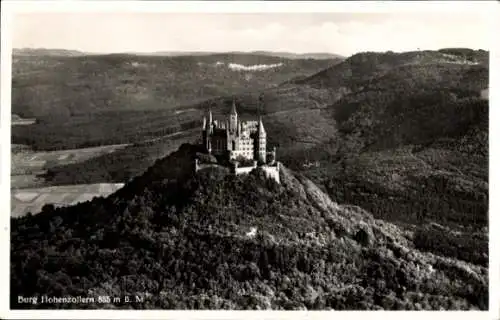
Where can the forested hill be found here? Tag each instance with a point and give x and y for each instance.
(363, 66)
(411, 146)
(210, 240)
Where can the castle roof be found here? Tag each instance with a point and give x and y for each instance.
(261, 126)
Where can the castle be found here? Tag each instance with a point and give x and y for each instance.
(239, 142)
(236, 140)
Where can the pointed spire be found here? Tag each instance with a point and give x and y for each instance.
(262, 131)
(233, 108)
(261, 126)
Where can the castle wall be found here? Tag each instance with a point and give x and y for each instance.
(272, 172)
(250, 126)
(244, 148)
(244, 170)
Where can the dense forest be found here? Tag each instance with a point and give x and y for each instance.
(180, 240)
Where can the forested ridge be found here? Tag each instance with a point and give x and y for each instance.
(183, 241)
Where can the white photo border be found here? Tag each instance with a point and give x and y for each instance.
(9, 8)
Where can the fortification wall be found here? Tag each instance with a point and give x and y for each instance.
(272, 172)
(243, 170)
(200, 166)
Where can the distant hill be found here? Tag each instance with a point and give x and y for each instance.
(209, 240)
(367, 65)
(47, 52)
(98, 99)
(286, 55)
(309, 55)
(44, 85)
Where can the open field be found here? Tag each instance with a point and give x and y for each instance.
(27, 164)
(33, 199)
(16, 120)
(23, 122)
(28, 191)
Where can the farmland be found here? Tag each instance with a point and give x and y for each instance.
(33, 199)
(54, 177)
(28, 191)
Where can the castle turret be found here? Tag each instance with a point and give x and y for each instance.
(210, 122)
(207, 132)
(261, 142)
(204, 132)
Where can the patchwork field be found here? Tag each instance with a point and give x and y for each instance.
(33, 199)
(28, 190)
(26, 164)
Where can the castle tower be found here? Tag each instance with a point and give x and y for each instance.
(261, 142)
(233, 118)
(207, 132)
(210, 122)
(204, 132)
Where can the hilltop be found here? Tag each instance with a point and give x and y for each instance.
(181, 240)
(46, 52)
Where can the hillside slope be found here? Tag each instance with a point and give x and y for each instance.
(411, 143)
(184, 241)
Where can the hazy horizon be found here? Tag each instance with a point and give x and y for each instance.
(232, 51)
(177, 51)
(334, 33)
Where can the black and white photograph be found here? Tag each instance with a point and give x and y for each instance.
(279, 160)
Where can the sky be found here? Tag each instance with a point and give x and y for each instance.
(339, 33)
